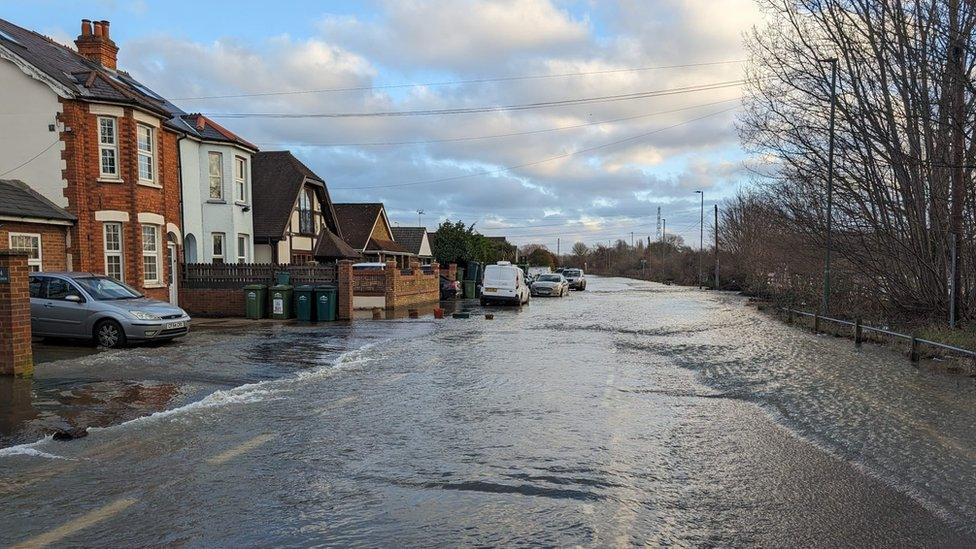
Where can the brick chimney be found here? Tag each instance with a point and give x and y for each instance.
(95, 44)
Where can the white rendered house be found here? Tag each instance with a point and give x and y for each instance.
(215, 166)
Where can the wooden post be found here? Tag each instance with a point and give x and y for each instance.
(913, 354)
(858, 332)
(816, 323)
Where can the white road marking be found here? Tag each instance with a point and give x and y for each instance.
(80, 523)
(247, 446)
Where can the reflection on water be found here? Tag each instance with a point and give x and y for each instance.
(630, 413)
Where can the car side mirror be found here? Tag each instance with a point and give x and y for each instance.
(73, 298)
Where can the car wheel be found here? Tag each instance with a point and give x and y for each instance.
(109, 334)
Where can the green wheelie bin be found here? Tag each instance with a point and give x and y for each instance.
(256, 301)
(281, 302)
(326, 303)
(304, 307)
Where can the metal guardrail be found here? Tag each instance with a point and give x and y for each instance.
(859, 328)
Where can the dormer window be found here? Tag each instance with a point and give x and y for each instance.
(306, 221)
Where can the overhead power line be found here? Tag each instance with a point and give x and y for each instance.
(31, 159)
(490, 108)
(458, 82)
(510, 134)
(533, 163)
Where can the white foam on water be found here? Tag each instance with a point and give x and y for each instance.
(262, 391)
(30, 449)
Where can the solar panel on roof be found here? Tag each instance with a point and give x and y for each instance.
(6, 36)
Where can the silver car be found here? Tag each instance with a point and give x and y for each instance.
(550, 285)
(95, 307)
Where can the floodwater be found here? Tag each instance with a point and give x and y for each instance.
(631, 413)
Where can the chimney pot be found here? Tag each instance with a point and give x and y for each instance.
(105, 25)
(98, 28)
(86, 28)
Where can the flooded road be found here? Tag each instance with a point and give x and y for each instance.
(631, 413)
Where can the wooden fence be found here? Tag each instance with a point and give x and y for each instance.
(233, 276)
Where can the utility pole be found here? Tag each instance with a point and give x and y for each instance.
(825, 306)
(420, 213)
(716, 247)
(658, 235)
(631, 239)
(557, 247)
(958, 151)
(664, 238)
(701, 240)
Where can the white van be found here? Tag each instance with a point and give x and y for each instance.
(504, 282)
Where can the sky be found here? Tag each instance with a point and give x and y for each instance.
(591, 172)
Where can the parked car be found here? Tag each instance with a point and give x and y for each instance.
(576, 278)
(450, 289)
(550, 285)
(94, 307)
(504, 283)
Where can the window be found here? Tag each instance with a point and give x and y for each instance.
(108, 148)
(218, 247)
(240, 179)
(306, 224)
(113, 250)
(216, 176)
(35, 285)
(150, 254)
(147, 146)
(30, 243)
(242, 248)
(60, 289)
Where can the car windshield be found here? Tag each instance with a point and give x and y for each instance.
(549, 278)
(572, 272)
(107, 289)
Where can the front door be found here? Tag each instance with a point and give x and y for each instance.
(174, 291)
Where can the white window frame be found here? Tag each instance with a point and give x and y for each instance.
(155, 255)
(114, 253)
(223, 247)
(242, 247)
(31, 262)
(108, 146)
(219, 176)
(240, 179)
(150, 154)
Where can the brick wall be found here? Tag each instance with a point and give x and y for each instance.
(216, 303)
(16, 356)
(415, 288)
(345, 290)
(53, 242)
(86, 194)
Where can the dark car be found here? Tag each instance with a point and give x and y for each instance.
(449, 288)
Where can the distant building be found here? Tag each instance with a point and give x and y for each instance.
(415, 241)
(366, 228)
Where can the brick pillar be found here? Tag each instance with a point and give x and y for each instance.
(436, 269)
(452, 271)
(16, 356)
(345, 290)
(392, 273)
(414, 266)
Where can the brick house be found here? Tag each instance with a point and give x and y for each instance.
(294, 219)
(98, 144)
(33, 224)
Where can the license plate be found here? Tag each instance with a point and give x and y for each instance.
(174, 325)
(491, 289)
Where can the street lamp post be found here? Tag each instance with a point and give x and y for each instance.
(701, 238)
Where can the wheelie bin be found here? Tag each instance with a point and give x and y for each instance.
(281, 302)
(326, 303)
(256, 301)
(304, 308)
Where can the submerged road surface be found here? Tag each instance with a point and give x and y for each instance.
(631, 413)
